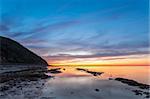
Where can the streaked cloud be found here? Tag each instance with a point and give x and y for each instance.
(73, 31)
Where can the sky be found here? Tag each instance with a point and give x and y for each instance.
(94, 32)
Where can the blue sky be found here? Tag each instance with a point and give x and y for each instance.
(77, 29)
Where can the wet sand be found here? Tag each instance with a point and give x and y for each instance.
(71, 85)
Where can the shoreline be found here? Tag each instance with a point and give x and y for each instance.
(22, 85)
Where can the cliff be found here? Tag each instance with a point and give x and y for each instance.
(11, 52)
(17, 62)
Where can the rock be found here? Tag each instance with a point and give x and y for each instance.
(54, 71)
(147, 94)
(97, 90)
(16, 61)
(133, 83)
(11, 52)
(138, 92)
(90, 72)
(110, 78)
(29, 74)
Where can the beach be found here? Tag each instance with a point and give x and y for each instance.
(84, 83)
(74, 49)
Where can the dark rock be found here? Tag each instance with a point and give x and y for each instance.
(97, 90)
(147, 94)
(81, 69)
(29, 74)
(110, 78)
(11, 52)
(90, 72)
(133, 83)
(54, 71)
(3, 88)
(137, 92)
(16, 61)
(140, 92)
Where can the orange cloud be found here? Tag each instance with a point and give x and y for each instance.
(120, 60)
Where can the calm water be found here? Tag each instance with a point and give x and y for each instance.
(137, 73)
(74, 84)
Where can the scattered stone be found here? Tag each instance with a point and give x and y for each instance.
(147, 94)
(133, 83)
(138, 92)
(97, 90)
(4, 88)
(110, 78)
(90, 72)
(54, 71)
(24, 75)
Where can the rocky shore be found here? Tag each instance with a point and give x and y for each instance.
(133, 83)
(16, 61)
(23, 74)
(22, 85)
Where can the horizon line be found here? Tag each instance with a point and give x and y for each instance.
(96, 65)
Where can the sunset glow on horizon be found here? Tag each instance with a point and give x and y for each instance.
(143, 61)
(80, 32)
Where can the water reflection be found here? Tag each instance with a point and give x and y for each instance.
(70, 83)
(137, 73)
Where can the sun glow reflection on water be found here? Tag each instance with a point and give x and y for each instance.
(137, 73)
